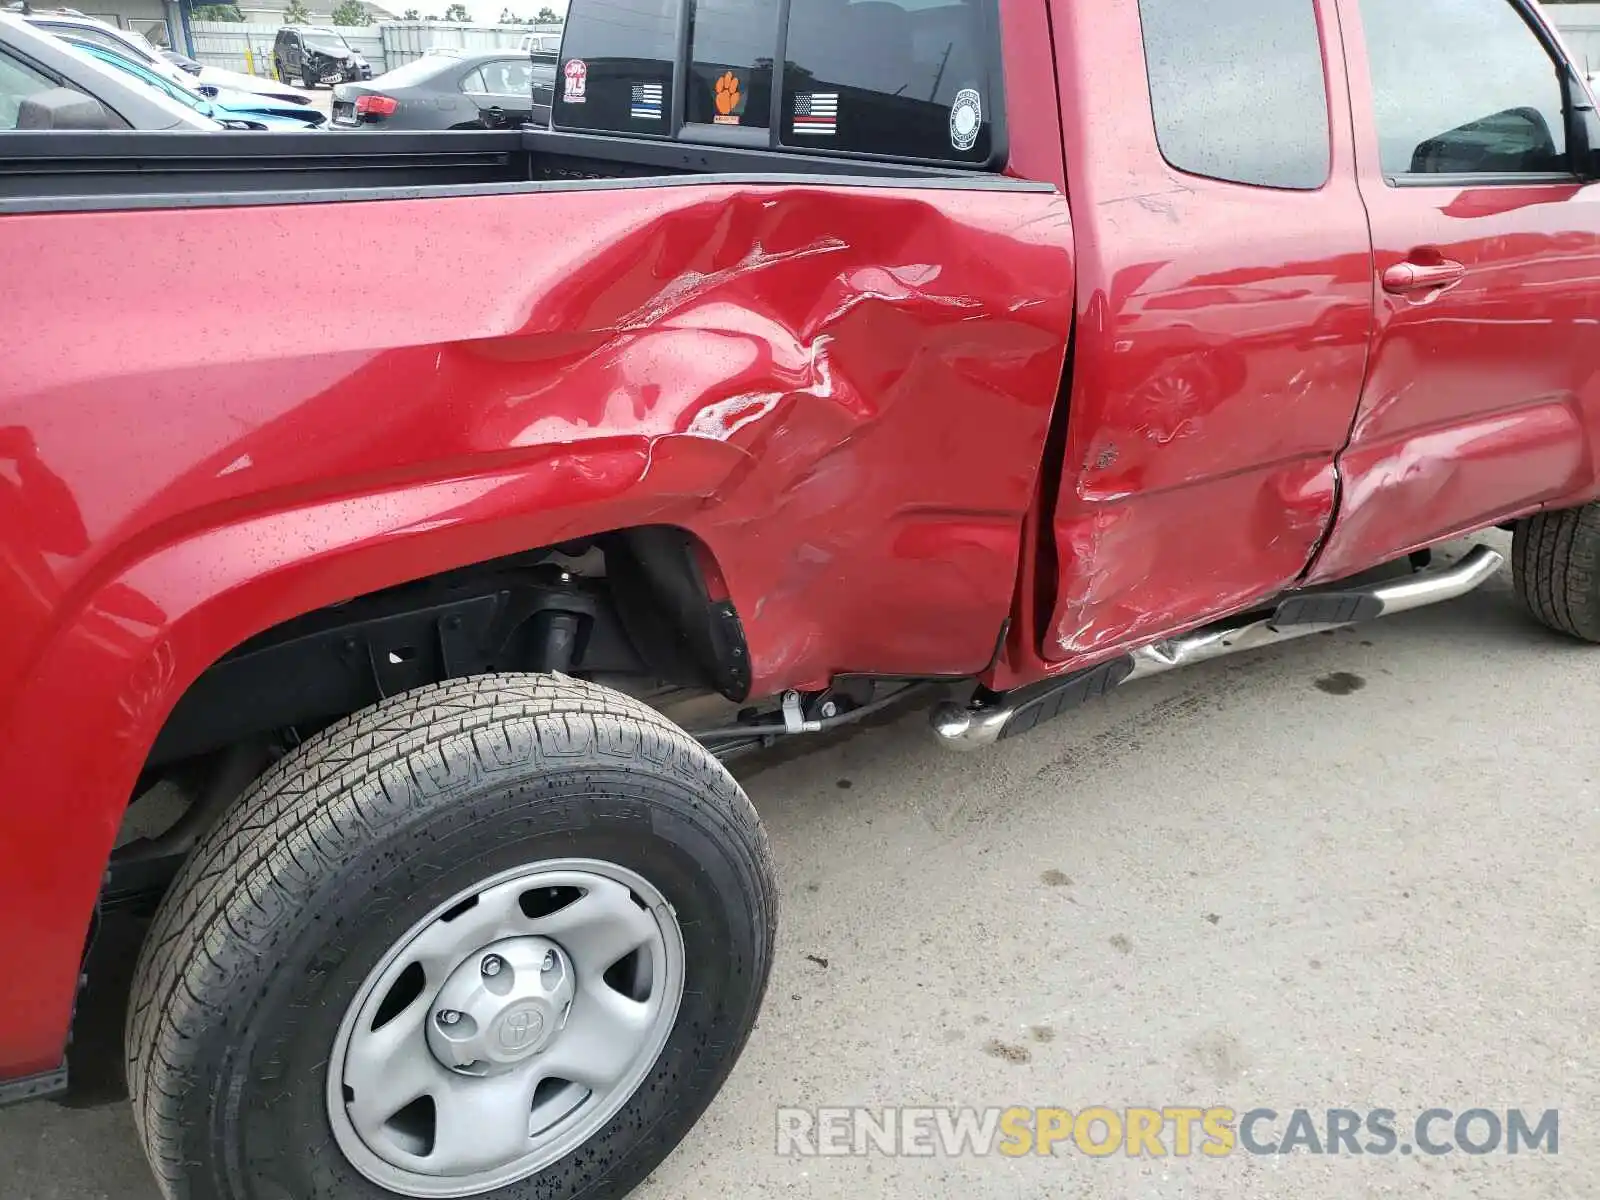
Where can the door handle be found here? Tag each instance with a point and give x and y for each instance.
(1406, 278)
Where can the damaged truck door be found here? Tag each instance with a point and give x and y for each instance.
(1225, 305)
(1487, 260)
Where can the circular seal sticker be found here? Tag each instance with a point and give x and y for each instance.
(966, 118)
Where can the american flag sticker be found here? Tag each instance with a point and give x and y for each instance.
(646, 102)
(816, 113)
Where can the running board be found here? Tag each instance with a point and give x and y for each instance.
(984, 722)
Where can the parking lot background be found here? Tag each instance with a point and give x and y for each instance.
(1357, 870)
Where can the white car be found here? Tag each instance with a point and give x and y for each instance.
(135, 46)
(43, 72)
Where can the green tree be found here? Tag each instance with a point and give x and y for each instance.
(548, 16)
(458, 12)
(219, 12)
(297, 13)
(351, 12)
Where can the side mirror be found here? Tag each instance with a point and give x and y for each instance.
(1518, 139)
(63, 108)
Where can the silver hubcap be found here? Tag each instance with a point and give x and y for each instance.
(505, 1028)
(502, 1008)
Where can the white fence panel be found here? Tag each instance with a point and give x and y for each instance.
(407, 40)
(234, 46)
(1579, 25)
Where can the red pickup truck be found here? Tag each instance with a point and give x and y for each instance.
(396, 531)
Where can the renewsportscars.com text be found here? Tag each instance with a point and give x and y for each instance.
(1178, 1131)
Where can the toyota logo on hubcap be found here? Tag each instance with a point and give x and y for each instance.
(520, 1028)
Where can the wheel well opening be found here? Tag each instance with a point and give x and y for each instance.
(644, 605)
(643, 610)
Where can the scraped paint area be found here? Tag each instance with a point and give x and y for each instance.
(1121, 559)
(1413, 489)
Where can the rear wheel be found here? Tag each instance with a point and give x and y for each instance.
(498, 937)
(1555, 567)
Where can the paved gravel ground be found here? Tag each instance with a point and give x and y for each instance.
(1358, 870)
(322, 100)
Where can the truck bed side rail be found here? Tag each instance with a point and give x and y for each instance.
(77, 165)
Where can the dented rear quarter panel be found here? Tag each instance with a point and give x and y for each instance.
(843, 391)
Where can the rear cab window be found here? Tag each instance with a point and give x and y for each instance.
(731, 48)
(907, 80)
(617, 64)
(1239, 90)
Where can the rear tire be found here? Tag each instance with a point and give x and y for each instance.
(268, 942)
(1555, 567)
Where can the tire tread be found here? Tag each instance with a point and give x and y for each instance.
(337, 792)
(1555, 569)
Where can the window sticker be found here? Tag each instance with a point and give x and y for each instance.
(966, 118)
(646, 104)
(816, 114)
(576, 73)
(730, 100)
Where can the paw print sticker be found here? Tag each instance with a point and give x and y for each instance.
(728, 98)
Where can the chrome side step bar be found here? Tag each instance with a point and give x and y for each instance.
(1314, 613)
(974, 726)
